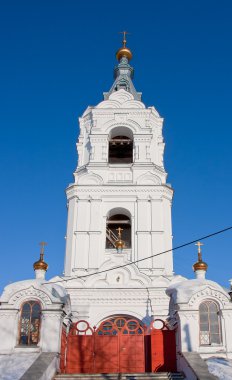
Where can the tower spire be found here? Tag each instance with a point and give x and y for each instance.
(123, 72)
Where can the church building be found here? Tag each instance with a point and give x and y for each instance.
(119, 308)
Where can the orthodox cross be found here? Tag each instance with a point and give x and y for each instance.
(119, 229)
(42, 245)
(199, 244)
(124, 37)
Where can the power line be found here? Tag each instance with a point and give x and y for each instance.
(149, 257)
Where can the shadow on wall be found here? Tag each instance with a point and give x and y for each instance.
(149, 312)
(187, 338)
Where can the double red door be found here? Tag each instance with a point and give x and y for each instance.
(119, 353)
(119, 345)
(116, 346)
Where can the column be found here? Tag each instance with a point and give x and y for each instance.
(8, 330)
(51, 330)
(70, 236)
(144, 232)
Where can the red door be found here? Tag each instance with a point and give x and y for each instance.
(106, 359)
(132, 358)
(163, 350)
(79, 354)
(116, 346)
(119, 346)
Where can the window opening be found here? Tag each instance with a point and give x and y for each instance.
(112, 224)
(120, 150)
(30, 323)
(210, 331)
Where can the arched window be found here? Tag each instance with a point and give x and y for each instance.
(210, 329)
(30, 323)
(112, 224)
(120, 150)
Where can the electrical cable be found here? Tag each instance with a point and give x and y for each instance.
(148, 257)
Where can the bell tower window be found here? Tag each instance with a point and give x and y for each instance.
(120, 150)
(112, 225)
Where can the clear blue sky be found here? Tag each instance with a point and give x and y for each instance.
(57, 57)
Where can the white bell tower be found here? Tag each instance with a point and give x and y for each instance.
(120, 182)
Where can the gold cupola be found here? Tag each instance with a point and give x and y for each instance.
(200, 264)
(124, 51)
(40, 264)
(119, 244)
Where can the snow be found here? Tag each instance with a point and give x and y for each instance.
(182, 291)
(13, 366)
(220, 367)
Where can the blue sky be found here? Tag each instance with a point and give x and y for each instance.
(57, 57)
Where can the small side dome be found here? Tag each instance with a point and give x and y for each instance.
(200, 265)
(40, 264)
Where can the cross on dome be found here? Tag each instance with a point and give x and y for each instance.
(40, 264)
(199, 244)
(124, 37)
(42, 245)
(200, 264)
(119, 229)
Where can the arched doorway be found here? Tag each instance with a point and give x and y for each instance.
(120, 344)
(115, 346)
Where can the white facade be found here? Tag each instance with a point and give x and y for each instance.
(137, 189)
(100, 282)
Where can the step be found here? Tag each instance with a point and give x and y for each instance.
(122, 376)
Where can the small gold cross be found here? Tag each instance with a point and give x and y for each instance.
(199, 244)
(42, 245)
(119, 229)
(124, 37)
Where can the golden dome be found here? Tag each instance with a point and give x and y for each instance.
(119, 244)
(200, 264)
(124, 52)
(40, 264)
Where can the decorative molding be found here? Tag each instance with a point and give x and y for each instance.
(208, 292)
(30, 292)
(148, 178)
(49, 315)
(89, 179)
(8, 315)
(121, 99)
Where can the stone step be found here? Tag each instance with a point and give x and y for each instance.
(122, 376)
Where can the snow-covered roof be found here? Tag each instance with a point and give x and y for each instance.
(181, 292)
(20, 289)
